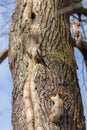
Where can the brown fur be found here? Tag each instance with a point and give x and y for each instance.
(57, 110)
(77, 34)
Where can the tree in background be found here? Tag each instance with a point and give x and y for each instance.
(42, 64)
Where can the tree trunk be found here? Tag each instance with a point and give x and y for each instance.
(42, 63)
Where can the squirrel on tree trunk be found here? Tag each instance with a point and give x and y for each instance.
(77, 34)
(57, 110)
(82, 46)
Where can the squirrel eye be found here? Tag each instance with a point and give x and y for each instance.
(53, 103)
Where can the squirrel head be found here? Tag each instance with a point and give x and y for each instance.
(76, 23)
(60, 94)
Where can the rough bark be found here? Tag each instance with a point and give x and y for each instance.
(36, 81)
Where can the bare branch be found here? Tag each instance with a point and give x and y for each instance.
(75, 7)
(81, 10)
(85, 20)
(3, 54)
(71, 8)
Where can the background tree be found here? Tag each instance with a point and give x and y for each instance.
(46, 26)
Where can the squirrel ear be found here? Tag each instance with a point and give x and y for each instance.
(60, 94)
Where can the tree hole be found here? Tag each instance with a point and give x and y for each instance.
(33, 16)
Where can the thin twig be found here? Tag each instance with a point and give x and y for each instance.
(3, 54)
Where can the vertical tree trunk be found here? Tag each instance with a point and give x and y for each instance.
(39, 26)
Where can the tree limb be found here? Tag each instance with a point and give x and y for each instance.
(3, 54)
(81, 10)
(74, 7)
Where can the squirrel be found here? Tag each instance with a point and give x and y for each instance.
(78, 38)
(34, 50)
(57, 110)
(77, 34)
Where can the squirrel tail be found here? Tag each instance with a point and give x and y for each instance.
(79, 39)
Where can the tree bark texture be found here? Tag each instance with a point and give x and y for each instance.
(37, 79)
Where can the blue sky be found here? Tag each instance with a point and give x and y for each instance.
(82, 78)
(6, 84)
(5, 96)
